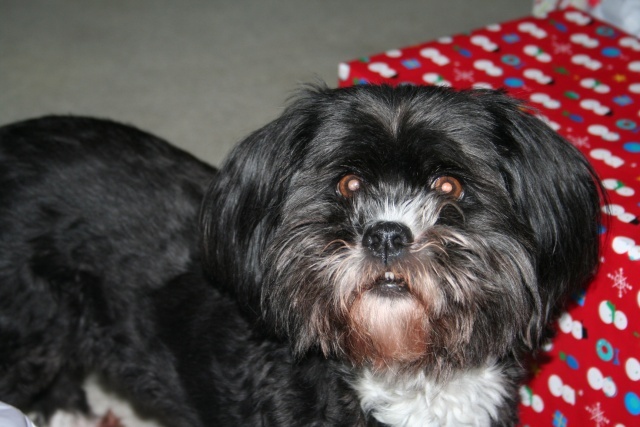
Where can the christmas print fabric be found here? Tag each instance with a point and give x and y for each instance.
(583, 76)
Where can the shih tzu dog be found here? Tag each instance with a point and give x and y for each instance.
(374, 256)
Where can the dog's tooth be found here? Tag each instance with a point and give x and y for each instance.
(389, 276)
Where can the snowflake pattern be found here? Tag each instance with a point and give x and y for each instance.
(579, 141)
(562, 48)
(620, 282)
(597, 415)
(463, 75)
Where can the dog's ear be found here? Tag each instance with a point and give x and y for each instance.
(242, 205)
(557, 193)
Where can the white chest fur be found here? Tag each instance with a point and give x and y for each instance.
(471, 398)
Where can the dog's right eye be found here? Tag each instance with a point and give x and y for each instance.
(349, 185)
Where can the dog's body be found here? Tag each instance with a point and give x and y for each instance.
(94, 217)
(374, 256)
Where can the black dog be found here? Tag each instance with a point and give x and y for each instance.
(375, 256)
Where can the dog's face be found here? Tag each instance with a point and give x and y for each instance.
(407, 227)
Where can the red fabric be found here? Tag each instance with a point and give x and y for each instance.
(584, 77)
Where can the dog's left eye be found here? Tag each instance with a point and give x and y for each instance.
(349, 185)
(448, 186)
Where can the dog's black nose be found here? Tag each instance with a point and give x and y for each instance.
(387, 240)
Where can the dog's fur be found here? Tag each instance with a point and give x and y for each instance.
(385, 297)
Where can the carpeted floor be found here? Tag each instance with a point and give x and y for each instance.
(202, 73)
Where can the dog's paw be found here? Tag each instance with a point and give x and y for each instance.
(110, 420)
(72, 419)
(69, 419)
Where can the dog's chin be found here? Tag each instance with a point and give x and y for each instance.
(387, 314)
(388, 324)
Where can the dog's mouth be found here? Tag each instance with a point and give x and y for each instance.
(389, 285)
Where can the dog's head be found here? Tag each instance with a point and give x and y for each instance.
(405, 226)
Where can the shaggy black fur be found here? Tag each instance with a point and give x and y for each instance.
(94, 217)
(100, 259)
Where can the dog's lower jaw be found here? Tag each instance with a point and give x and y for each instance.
(472, 398)
(386, 330)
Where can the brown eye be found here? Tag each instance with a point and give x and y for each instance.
(448, 186)
(349, 185)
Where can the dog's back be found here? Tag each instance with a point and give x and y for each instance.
(94, 215)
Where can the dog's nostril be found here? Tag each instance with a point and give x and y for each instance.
(387, 240)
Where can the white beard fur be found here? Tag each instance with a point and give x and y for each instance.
(470, 398)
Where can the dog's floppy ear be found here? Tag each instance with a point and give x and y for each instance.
(557, 192)
(243, 204)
